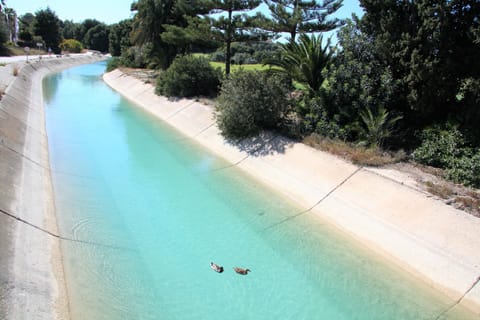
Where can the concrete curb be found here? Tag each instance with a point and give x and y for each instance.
(31, 282)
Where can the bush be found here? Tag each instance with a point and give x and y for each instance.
(447, 149)
(189, 76)
(465, 170)
(250, 102)
(134, 57)
(315, 119)
(113, 63)
(71, 45)
(439, 146)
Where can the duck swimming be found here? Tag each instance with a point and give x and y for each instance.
(241, 270)
(215, 267)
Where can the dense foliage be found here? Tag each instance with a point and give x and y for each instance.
(96, 38)
(47, 26)
(189, 76)
(150, 22)
(446, 147)
(71, 45)
(430, 49)
(119, 38)
(250, 102)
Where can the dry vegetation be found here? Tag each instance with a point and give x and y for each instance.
(19, 51)
(358, 155)
(428, 179)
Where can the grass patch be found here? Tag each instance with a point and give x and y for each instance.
(355, 154)
(236, 67)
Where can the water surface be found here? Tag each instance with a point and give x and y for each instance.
(147, 210)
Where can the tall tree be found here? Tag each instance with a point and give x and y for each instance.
(47, 26)
(119, 37)
(233, 24)
(83, 28)
(70, 29)
(357, 79)
(303, 16)
(96, 38)
(26, 22)
(431, 49)
(149, 24)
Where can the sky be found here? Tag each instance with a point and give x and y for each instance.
(112, 11)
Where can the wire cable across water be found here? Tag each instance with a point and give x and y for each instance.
(54, 235)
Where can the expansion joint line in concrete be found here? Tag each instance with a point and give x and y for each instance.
(204, 129)
(316, 204)
(26, 105)
(18, 219)
(249, 153)
(23, 156)
(399, 182)
(180, 110)
(475, 283)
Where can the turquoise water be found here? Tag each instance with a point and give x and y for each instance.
(147, 210)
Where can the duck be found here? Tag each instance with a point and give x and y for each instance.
(215, 267)
(241, 270)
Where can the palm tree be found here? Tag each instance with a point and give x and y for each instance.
(304, 61)
(378, 126)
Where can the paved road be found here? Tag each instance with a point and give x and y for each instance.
(34, 57)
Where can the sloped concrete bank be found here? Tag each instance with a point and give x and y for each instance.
(429, 239)
(31, 281)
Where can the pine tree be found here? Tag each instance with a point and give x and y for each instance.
(303, 16)
(233, 26)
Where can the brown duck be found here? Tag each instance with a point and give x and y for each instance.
(241, 270)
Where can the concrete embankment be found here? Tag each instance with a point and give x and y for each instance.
(385, 211)
(31, 281)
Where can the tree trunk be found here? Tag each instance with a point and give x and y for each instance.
(228, 43)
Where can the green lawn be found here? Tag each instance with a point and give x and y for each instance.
(236, 67)
(233, 67)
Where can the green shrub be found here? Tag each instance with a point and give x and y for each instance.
(315, 119)
(71, 45)
(465, 170)
(134, 57)
(250, 102)
(439, 146)
(189, 76)
(113, 63)
(447, 149)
